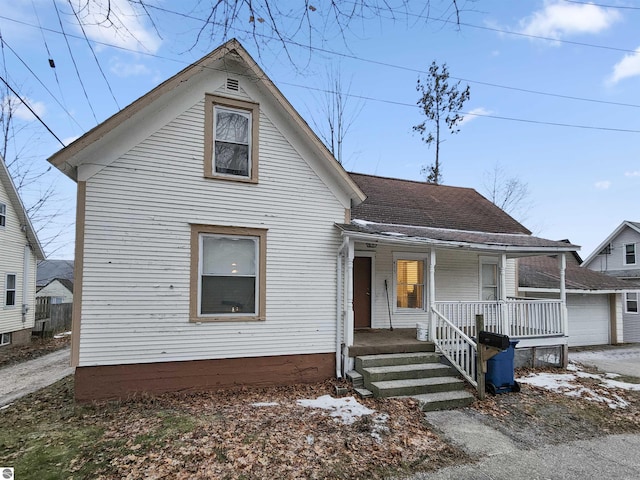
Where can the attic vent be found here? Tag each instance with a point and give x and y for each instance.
(232, 84)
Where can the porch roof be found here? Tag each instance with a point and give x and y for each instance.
(516, 243)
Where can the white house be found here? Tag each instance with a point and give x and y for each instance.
(19, 252)
(619, 256)
(219, 242)
(58, 290)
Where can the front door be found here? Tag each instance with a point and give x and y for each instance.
(362, 292)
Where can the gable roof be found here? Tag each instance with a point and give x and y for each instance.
(49, 270)
(543, 272)
(14, 197)
(421, 204)
(626, 223)
(69, 158)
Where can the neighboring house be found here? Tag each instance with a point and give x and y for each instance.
(215, 246)
(594, 300)
(49, 270)
(619, 256)
(20, 251)
(58, 290)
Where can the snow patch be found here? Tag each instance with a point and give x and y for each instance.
(363, 223)
(394, 234)
(566, 384)
(62, 335)
(347, 409)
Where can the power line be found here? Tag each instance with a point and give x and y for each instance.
(31, 110)
(621, 7)
(75, 65)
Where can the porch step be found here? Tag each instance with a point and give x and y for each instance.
(404, 372)
(356, 379)
(389, 359)
(444, 400)
(363, 392)
(414, 386)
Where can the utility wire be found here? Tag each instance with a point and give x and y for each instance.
(31, 110)
(621, 7)
(84, 33)
(64, 108)
(75, 65)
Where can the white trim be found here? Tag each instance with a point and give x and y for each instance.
(6, 290)
(3, 336)
(425, 265)
(624, 254)
(489, 260)
(607, 240)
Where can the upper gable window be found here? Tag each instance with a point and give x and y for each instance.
(231, 139)
(630, 254)
(3, 215)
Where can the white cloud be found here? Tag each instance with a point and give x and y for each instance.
(473, 114)
(635, 173)
(125, 26)
(20, 110)
(558, 19)
(603, 185)
(124, 69)
(628, 67)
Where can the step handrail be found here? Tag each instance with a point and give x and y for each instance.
(462, 358)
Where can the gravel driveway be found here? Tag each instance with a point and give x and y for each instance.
(623, 360)
(27, 377)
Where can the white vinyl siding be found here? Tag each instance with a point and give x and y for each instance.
(631, 322)
(12, 242)
(137, 251)
(56, 290)
(616, 260)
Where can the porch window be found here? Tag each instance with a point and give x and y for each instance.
(3, 215)
(489, 280)
(630, 254)
(228, 273)
(231, 139)
(10, 290)
(631, 302)
(410, 284)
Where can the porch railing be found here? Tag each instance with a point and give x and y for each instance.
(456, 346)
(516, 318)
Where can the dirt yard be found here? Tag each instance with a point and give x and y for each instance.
(283, 433)
(12, 354)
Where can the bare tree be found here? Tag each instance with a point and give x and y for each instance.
(439, 102)
(338, 113)
(262, 21)
(509, 193)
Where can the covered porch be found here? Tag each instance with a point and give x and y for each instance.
(399, 277)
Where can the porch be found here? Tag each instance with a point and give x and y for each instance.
(381, 341)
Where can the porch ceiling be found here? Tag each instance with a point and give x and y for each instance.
(513, 244)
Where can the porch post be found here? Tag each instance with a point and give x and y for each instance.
(432, 294)
(349, 297)
(506, 330)
(563, 308)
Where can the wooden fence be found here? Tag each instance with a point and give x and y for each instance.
(52, 318)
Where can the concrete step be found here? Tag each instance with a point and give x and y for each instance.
(363, 392)
(356, 379)
(403, 372)
(415, 386)
(387, 359)
(429, 402)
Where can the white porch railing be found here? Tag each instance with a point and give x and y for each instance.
(456, 346)
(516, 318)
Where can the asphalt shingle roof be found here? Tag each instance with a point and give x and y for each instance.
(407, 202)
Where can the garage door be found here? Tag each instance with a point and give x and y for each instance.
(588, 319)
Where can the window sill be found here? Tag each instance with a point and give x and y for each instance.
(232, 178)
(252, 318)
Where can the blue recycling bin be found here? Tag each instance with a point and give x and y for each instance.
(499, 376)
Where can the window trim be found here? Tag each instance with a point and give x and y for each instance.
(626, 302)
(624, 254)
(14, 290)
(2, 339)
(3, 215)
(488, 261)
(194, 294)
(211, 101)
(425, 291)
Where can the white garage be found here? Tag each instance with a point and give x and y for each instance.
(589, 319)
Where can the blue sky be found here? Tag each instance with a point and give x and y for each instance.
(522, 60)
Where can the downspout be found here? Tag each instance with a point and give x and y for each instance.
(26, 265)
(339, 310)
